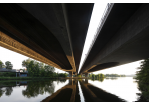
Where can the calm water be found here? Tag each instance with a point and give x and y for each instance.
(122, 89)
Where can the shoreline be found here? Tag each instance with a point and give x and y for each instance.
(34, 78)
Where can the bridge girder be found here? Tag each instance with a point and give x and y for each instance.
(53, 33)
(122, 38)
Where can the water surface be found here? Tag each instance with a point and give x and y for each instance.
(122, 89)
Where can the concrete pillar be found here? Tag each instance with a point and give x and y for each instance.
(70, 74)
(81, 75)
(86, 81)
(86, 74)
(70, 82)
(76, 74)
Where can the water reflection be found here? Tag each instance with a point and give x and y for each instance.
(39, 87)
(90, 93)
(99, 79)
(33, 89)
(6, 87)
(68, 93)
(7, 91)
(95, 94)
(112, 78)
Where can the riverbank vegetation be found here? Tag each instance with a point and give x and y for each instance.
(34, 69)
(8, 74)
(114, 75)
(7, 65)
(96, 76)
(38, 69)
(27, 78)
(142, 78)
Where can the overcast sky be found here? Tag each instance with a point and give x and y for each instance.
(16, 59)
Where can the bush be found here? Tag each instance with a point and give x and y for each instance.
(79, 76)
(7, 74)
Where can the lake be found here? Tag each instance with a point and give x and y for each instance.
(121, 89)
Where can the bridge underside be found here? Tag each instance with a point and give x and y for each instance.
(55, 34)
(51, 33)
(123, 38)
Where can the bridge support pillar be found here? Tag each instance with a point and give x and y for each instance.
(86, 74)
(76, 74)
(81, 74)
(70, 82)
(86, 81)
(70, 74)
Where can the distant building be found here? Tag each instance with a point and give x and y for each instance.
(20, 72)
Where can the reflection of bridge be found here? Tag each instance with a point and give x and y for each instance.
(55, 34)
(66, 93)
(91, 93)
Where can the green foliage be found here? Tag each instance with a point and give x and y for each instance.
(114, 75)
(97, 76)
(79, 76)
(62, 74)
(7, 74)
(8, 65)
(38, 69)
(2, 64)
(142, 78)
(24, 78)
(35, 88)
(93, 75)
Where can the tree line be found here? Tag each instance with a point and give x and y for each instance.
(97, 76)
(34, 69)
(114, 75)
(38, 69)
(7, 65)
(142, 78)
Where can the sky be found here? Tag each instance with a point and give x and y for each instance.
(16, 58)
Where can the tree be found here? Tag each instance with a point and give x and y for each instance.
(25, 63)
(101, 75)
(142, 77)
(8, 65)
(49, 68)
(2, 64)
(93, 75)
(38, 69)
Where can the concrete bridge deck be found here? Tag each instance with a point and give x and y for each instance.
(122, 38)
(53, 33)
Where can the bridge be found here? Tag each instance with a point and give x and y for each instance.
(121, 38)
(54, 33)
